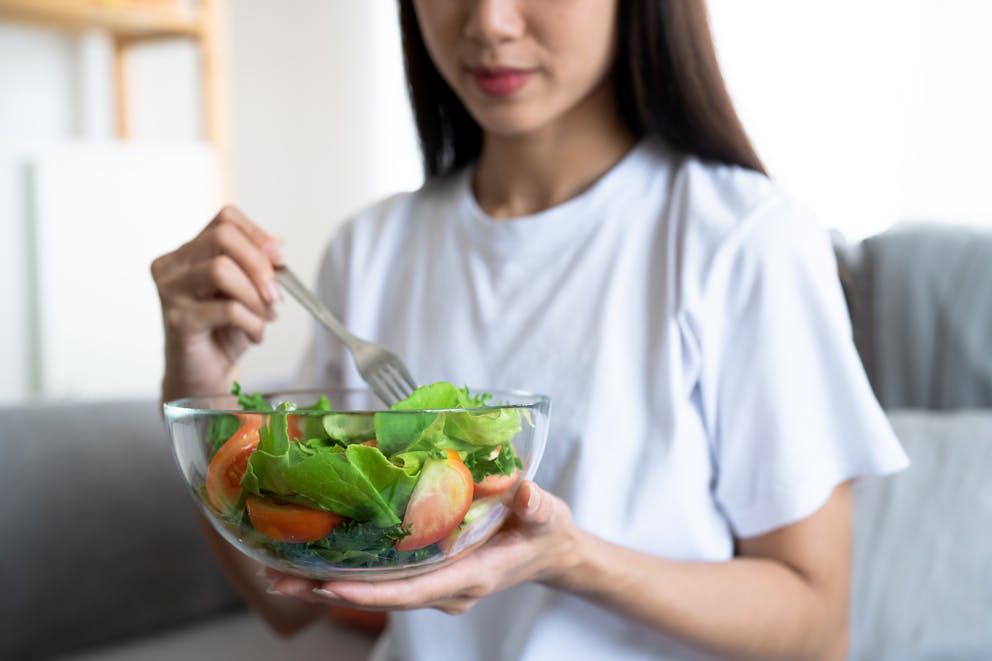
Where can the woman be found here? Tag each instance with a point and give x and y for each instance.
(594, 226)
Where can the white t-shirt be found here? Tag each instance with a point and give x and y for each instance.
(686, 320)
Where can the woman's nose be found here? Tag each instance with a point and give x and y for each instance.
(494, 21)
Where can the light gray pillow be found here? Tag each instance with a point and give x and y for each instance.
(922, 586)
(920, 300)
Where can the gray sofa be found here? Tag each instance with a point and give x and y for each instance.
(102, 558)
(920, 297)
(101, 541)
(102, 555)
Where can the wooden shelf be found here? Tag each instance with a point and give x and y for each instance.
(131, 22)
(122, 18)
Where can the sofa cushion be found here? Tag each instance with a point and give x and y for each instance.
(100, 539)
(923, 545)
(920, 298)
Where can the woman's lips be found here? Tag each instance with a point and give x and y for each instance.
(500, 81)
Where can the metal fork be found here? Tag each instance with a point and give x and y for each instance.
(383, 370)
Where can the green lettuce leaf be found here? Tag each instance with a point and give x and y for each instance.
(440, 395)
(334, 483)
(396, 431)
(220, 430)
(391, 482)
(311, 426)
(348, 428)
(489, 427)
(358, 485)
(274, 454)
(266, 472)
(273, 436)
(253, 402)
(411, 462)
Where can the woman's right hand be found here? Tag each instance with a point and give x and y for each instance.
(217, 293)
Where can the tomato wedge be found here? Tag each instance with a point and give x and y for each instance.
(289, 522)
(494, 484)
(293, 430)
(227, 467)
(439, 501)
(491, 485)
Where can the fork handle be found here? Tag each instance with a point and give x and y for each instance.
(299, 291)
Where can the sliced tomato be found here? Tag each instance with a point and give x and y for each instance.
(440, 498)
(494, 484)
(293, 423)
(289, 522)
(225, 470)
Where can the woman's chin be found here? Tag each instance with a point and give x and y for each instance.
(509, 125)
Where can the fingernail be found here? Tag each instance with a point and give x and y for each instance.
(321, 592)
(272, 292)
(270, 313)
(272, 590)
(274, 251)
(533, 500)
(261, 572)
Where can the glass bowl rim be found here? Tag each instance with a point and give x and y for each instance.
(185, 406)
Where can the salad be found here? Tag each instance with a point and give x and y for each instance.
(361, 489)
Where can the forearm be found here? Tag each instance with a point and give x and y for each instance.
(283, 614)
(746, 607)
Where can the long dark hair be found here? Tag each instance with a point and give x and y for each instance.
(666, 76)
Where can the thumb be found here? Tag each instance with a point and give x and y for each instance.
(533, 505)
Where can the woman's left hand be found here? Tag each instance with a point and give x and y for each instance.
(537, 543)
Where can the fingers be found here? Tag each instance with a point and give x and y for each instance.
(422, 591)
(254, 261)
(219, 277)
(217, 293)
(222, 278)
(188, 317)
(467, 580)
(532, 505)
(230, 234)
(304, 590)
(231, 215)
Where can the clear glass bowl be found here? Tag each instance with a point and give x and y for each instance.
(200, 425)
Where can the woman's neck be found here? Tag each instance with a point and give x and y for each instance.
(522, 174)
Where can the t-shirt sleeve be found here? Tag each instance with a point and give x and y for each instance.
(790, 410)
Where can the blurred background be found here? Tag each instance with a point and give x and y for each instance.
(126, 124)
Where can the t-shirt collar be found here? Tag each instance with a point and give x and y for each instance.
(568, 221)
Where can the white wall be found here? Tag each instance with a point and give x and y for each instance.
(871, 111)
(36, 76)
(321, 129)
